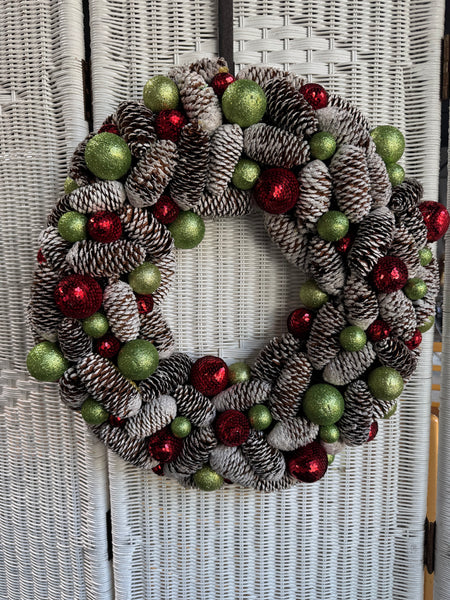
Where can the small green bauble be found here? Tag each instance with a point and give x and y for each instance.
(259, 417)
(353, 338)
(45, 362)
(238, 372)
(96, 325)
(161, 93)
(396, 173)
(323, 145)
(72, 226)
(427, 325)
(391, 411)
(93, 412)
(246, 174)
(244, 102)
(385, 383)
(107, 156)
(331, 458)
(145, 279)
(415, 288)
(323, 404)
(181, 427)
(425, 256)
(332, 226)
(70, 185)
(312, 296)
(389, 142)
(137, 359)
(208, 480)
(188, 230)
(329, 433)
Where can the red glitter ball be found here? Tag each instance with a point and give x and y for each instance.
(344, 244)
(168, 125)
(209, 375)
(159, 470)
(308, 463)
(232, 428)
(107, 346)
(117, 421)
(315, 95)
(276, 190)
(378, 330)
(78, 296)
(40, 257)
(414, 341)
(109, 127)
(104, 227)
(436, 218)
(164, 446)
(165, 210)
(145, 303)
(299, 322)
(220, 82)
(373, 431)
(390, 274)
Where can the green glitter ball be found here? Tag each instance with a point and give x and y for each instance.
(161, 93)
(331, 458)
(145, 279)
(96, 325)
(137, 359)
(208, 480)
(427, 325)
(244, 102)
(259, 417)
(238, 372)
(93, 412)
(396, 173)
(329, 433)
(72, 226)
(353, 338)
(332, 226)
(389, 142)
(181, 427)
(312, 296)
(188, 230)
(415, 288)
(70, 185)
(385, 383)
(107, 156)
(391, 411)
(245, 174)
(425, 256)
(323, 145)
(45, 362)
(323, 404)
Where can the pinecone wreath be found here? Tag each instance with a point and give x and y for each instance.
(203, 143)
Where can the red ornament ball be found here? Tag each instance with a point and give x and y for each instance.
(164, 446)
(414, 341)
(40, 257)
(232, 428)
(107, 346)
(209, 375)
(159, 470)
(378, 330)
(308, 463)
(276, 190)
(344, 244)
(436, 218)
(220, 82)
(117, 421)
(78, 296)
(168, 125)
(104, 226)
(299, 323)
(373, 431)
(390, 274)
(144, 303)
(109, 127)
(166, 210)
(315, 95)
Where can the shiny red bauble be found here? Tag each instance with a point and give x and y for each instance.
(104, 226)
(40, 257)
(378, 330)
(315, 95)
(168, 125)
(158, 470)
(414, 341)
(209, 375)
(276, 190)
(299, 323)
(165, 210)
(107, 346)
(220, 82)
(373, 431)
(163, 446)
(109, 128)
(390, 274)
(436, 218)
(344, 244)
(117, 421)
(308, 463)
(232, 428)
(78, 296)
(144, 303)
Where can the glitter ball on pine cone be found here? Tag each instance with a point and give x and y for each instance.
(107, 346)
(209, 375)
(415, 288)
(425, 256)
(353, 338)
(165, 210)
(220, 82)
(104, 226)
(163, 446)
(188, 230)
(161, 93)
(145, 303)
(414, 341)
(137, 359)
(385, 383)
(329, 433)
(181, 427)
(232, 428)
(315, 95)
(78, 296)
(208, 480)
(436, 219)
(323, 404)
(276, 190)
(72, 226)
(323, 145)
(245, 174)
(96, 325)
(169, 124)
(107, 156)
(427, 325)
(93, 412)
(309, 463)
(312, 296)
(45, 362)
(390, 274)
(378, 330)
(299, 323)
(333, 226)
(396, 173)
(389, 142)
(70, 185)
(244, 102)
(259, 417)
(145, 279)
(239, 372)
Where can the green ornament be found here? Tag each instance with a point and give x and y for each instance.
(96, 325)
(137, 359)
(188, 230)
(107, 156)
(427, 325)
(45, 362)
(312, 296)
(425, 256)
(246, 174)
(323, 404)
(332, 226)
(391, 411)
(72, 226)
(353, 338)
(161, 93)
(323, 145)
(244, 102)
(389, 142)
(93, 412)
(208, 480)
(181, 427)
(385, 383)
(145, 279)
(70, 185)
(415, 288)
(331, 458)
(238, 372)
(329, 433)
(396, 173)
(259, 417)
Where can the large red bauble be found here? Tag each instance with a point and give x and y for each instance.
(373, 431)
(390, 274)
(308, 463)
(232, 428)
(299, 323)
(436, 218)
(315, 95)
(107, 346)
(414, 341)
(168, 125)
(104, 226)
(276, 190)
(164, 446)
(378, 330)
(165, 210)
(144, 303)
(78, 296)
(209, 375)
(220, 82)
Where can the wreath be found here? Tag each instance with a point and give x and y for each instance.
(203, 143)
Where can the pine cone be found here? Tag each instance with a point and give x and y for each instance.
(351, 183)
(43, 314)
(166, 265)
(54, 248)
(272, 358)
(232, 203)
(225, 152)
(290, 386)
(170, 373)
(404, 247)
(405, 197)
(154, 328)
(424, 309)
(136, 126)
(78, 170)
(283, 230)
(242, 396)
(61, 207)
(263, 485)
(315, 195)
(206, 67)
(232, 465)
(71, 390)
(380, 186)
(393, 353)
(293, 433)
(267, 462)
(357, 116)
(348, 366)
(275, 147)
(121, 311)
(130, 450)
(288, 109)
(360, 301)
(430, 274)
(356, 421)
(73, 341)
(193, 405)
(104, 195)
(105, 260)
(323, 342)
(325, 265)
(343, 126)
(153, 416)
(200, 102)
(398, 311)
(139, 225)
(262, 74)
(196, 450)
